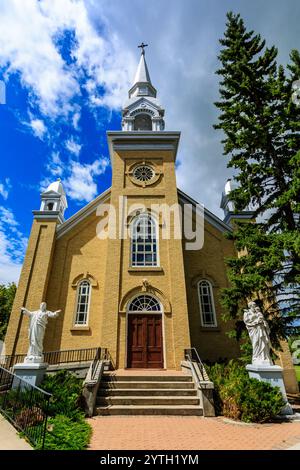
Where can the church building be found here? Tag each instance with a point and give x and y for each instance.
(144, 297)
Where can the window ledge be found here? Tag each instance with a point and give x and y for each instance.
(213, 329)
(80, 328)
(145, 269)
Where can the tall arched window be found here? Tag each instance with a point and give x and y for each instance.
(206, 301)
(144, 239)
(83, 302)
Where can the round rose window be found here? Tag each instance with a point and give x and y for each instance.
(143, 173)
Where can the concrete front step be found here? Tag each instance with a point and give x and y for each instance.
(147, 394)
(177, 410)
(146, 378)
(147, 391)
(145, 384)
(148, 400)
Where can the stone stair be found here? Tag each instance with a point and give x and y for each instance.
(147, 395)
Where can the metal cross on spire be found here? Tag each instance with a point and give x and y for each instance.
(142, 46)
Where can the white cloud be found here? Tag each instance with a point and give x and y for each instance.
(79, 179)
(38, 128)
(75, 120)
(5, 188)
(55, 167)
(7, 217)
(80, 185)
(73, 146)
(28, 35)
(12, 247)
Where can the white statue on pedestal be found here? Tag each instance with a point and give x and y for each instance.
(36, 331)
(259, 331)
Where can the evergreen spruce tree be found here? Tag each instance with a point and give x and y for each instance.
(261, 129)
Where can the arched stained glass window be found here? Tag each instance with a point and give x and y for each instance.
(144, 303)
(144, 250)
(83, 302)
(206, 301)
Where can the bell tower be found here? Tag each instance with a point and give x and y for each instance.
(143, 159)
(34, 278)
(142, 111)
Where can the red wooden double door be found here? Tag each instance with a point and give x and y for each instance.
(145, 342)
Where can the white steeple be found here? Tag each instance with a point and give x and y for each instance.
(54, 201)
(142, 74)
(142, 111)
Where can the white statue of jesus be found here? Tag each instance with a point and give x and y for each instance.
(36, 331)
(259, 331)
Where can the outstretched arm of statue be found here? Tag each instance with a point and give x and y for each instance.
(26, 312)
(54, 314)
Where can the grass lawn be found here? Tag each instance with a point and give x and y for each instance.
(297, 368)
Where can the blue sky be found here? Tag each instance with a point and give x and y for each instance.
(68, 65)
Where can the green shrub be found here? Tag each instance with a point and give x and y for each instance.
(65, 434)
(66, 394)
(239, 397)
(260, 402)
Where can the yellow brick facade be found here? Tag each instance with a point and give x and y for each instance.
(167, 281)
(59, 256)
(212, 343)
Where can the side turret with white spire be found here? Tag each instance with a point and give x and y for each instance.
(230, 213)
(142, 111)
(53, 202)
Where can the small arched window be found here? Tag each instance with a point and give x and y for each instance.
(206, 303)
(50, 206)
(83, 302)
(143, 122)
(144, 250)
(144, 303)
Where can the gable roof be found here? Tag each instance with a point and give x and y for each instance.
(103, 197)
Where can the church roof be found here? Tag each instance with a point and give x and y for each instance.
(92, 207)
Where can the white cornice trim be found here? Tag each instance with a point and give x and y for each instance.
(134, 146)
(147, 140)
(139, 100)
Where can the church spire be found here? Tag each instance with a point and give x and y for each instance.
(142, 74)
(142, 85)
(142, 112)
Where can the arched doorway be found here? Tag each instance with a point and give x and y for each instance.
(144, 333)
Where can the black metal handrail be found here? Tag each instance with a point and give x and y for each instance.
(192, 355)
(25, 406)
(63, 356)
(96, 360)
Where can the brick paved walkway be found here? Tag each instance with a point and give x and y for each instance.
(189, 433)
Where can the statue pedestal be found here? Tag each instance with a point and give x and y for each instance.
(273, 375)
(33, 373)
